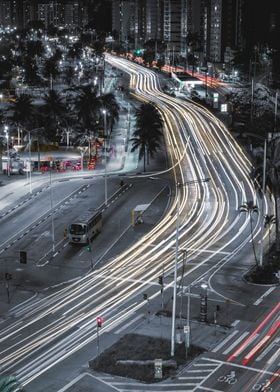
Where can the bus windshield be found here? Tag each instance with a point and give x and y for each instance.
(77, 229)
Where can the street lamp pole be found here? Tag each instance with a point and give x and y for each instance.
(262, 202)
(8, 150)
(52, 220)
(275, 111)
(29, 153)
(175, 279)
(105, 148)
(176, 262)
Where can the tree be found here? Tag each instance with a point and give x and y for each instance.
(51, 68)
(241, 100)
(3, 147)
(88, 107)
(69, 75)
(10, 384)
(35, 48)
(250, 208)
(273, 182)
(109, 103)
(22, 111)
(268, 221)
(272, 179)
(54, 110)
(148, 132)
(31, 74)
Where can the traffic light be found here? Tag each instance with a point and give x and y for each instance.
(99, 321)
(138, 52)
(22, 257)
(89, 248)
(160, 280)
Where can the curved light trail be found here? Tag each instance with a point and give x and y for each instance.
(45, 331)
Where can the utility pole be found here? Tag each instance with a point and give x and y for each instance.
(179, 185)
(262, 203)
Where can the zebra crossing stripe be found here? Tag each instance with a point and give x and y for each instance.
(236, 342)
(204, 364)
(217, 348)
(199, 371)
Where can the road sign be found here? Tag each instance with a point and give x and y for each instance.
(158, 368)
(186, 329)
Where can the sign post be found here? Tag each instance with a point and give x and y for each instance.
(158, 368)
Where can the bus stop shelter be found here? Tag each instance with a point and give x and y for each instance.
(137, 213)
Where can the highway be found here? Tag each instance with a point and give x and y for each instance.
(44, 331)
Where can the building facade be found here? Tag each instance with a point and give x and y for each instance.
(217, 24)
(58, 13)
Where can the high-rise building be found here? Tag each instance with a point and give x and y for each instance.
(222, 28)
(7, 13)
(66, 13)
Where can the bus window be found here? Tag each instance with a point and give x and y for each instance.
(77, 229)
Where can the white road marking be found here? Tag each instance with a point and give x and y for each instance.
(269, 348)
(198, 371)
(236, 342)
(128, 324)
(217, 348)
(203, 364)
(259, 300)
(232, 364)
(234, 324)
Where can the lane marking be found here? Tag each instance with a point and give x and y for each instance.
(254, 333)
(217, 348)
(236, 342)
(259, 300)
(129, 323)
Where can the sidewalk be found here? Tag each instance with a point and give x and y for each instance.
(15, 189)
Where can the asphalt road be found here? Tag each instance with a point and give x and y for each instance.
(59, 329)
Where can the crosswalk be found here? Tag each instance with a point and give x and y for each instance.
(237, 339)
(187, 380)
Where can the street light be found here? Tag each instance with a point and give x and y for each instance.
(105, 148)
(262, 201)
(176, 262)
(6, 128)
(52, 220)
(29, 153)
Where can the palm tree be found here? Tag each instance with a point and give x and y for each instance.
(2, 148)
(22, 111)
(54, 109)
(272, 179)
(250, 208)
(88, 107)
(109, 103)
(51, 70)
(268, 221)
(273, 182)
(10, 384)
(148, 131)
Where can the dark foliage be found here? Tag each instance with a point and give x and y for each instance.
(139, 347)
(266, 273)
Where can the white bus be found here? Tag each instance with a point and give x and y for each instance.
(86, 228)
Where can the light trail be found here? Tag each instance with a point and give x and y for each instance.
(48, 330)
(254, 333)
